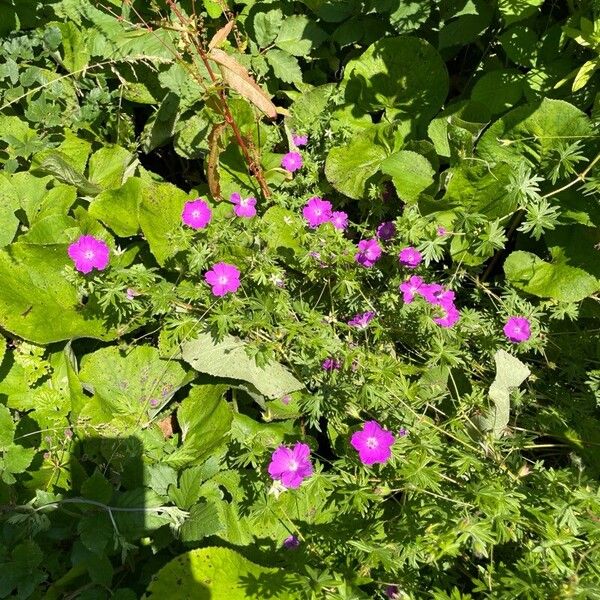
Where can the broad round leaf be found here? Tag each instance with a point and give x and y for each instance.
(405, 74)
(220, 574)
(38, 304)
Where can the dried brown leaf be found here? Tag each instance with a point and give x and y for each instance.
(221, 35)
(236, 76)
(212, 165)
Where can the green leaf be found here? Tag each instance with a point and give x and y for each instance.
(229, 359)
(118, 209)
(159, 215)
(7, 428)
(498, 90)
(351, 168)
(188, 491)
(160, 127)
(205, 421)
(17, 458)
(97, 488)
(405, 74)
(520, 44)
(202, 522)
(9, 202)
(510, 374)
(135, 384)
(159, 477)
(36, 301)
(285, 66)
(282, 228)
(299, 35)
(266, 26)
(213, 8)
(108, 166)
(76, 55)
(517, 10)
(411, 174)
(220, 574)
(558, 281)
(95, 531)
(532, 131)
(54, 163)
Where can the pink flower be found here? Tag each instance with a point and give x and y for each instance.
(196, 214)
(339, 219)
(331, 364)
(431, 292)
(411, 287)
(292, 161)
(243, 207)
(392, 592)
(451, 316)
(317, 211)
(410, 257)
(373, 443)
(291, 465)
(517, 329)
(300, 140)
(291, 542)
(89, 253)
(223, 278)
(361, 320)
(369, 252)
(442, 231)
(386, 231)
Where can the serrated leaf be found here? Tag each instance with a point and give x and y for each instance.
(266, 26)
(299, 35)
(202, 522)
(54, 163)
(285, 66)
(97, 488)
(349, 168)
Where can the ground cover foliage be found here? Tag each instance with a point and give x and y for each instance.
(187, 401)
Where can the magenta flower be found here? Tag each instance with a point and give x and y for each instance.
(450, 318)
(369, 252)
(196, 214)
(339, 219)
(223, 278)
(89, 253)
(386, 231)
(410, 288)
(431, 292)
(361, 320)
(442, 231)
(292, 161)
(517, 329)
(373, 443)
(291, 542)
(392, 592)
(243, 207)
(291, 465)
(300, 140)
(331, 364)
(317, 211)
(410, 257)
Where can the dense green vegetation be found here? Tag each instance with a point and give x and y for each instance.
(234, 234)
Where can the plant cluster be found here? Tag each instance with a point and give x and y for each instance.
(300, 299)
